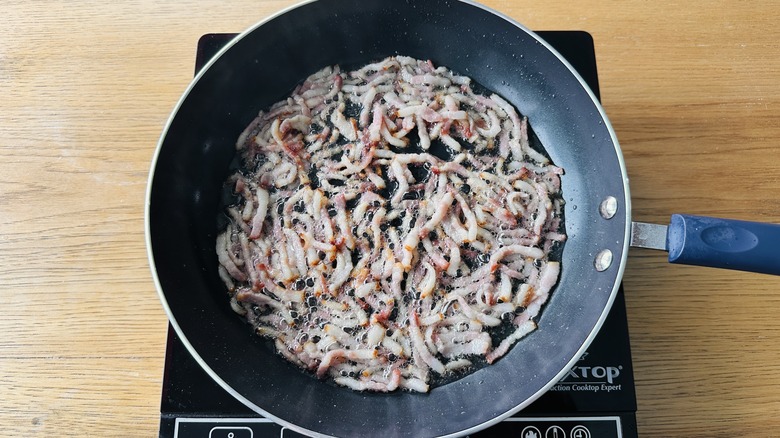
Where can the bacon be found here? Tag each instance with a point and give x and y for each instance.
(453, 344)
(428, 282)
(430, 79)
(369, 260)
(298, 123)
(374, 131)
(249, 296)
(297, 250)
(345, 127)
(367, 101)
(495, 126)
(334, 355)
(225, 260)
(262, 210)
(337, 83)
(418, 342)
(437, 258)
(422, 131)
(388, 385)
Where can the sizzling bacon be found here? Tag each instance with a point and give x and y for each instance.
(387, 221)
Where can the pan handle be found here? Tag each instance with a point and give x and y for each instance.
(715, 242)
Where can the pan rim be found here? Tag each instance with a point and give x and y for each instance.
(621, 263)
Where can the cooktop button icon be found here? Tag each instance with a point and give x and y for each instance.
(231, 432)
(580, 431)
(530, 432)
(555, 432)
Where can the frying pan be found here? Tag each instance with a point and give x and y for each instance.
(262, 65)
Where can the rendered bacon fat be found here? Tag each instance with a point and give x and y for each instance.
(387, 222)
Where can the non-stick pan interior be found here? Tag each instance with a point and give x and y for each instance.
(261, 67)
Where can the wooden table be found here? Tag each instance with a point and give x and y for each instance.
(692, 88)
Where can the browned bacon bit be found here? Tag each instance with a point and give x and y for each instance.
(390, 223)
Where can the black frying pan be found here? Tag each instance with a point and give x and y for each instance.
(262, 66)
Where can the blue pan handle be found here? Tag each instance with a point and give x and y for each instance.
(724, 243)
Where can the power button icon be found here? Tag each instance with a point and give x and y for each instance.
(579, 432)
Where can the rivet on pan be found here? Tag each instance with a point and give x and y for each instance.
(603, 260)
(608, 207)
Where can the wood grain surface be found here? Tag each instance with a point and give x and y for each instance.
(692, 89)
